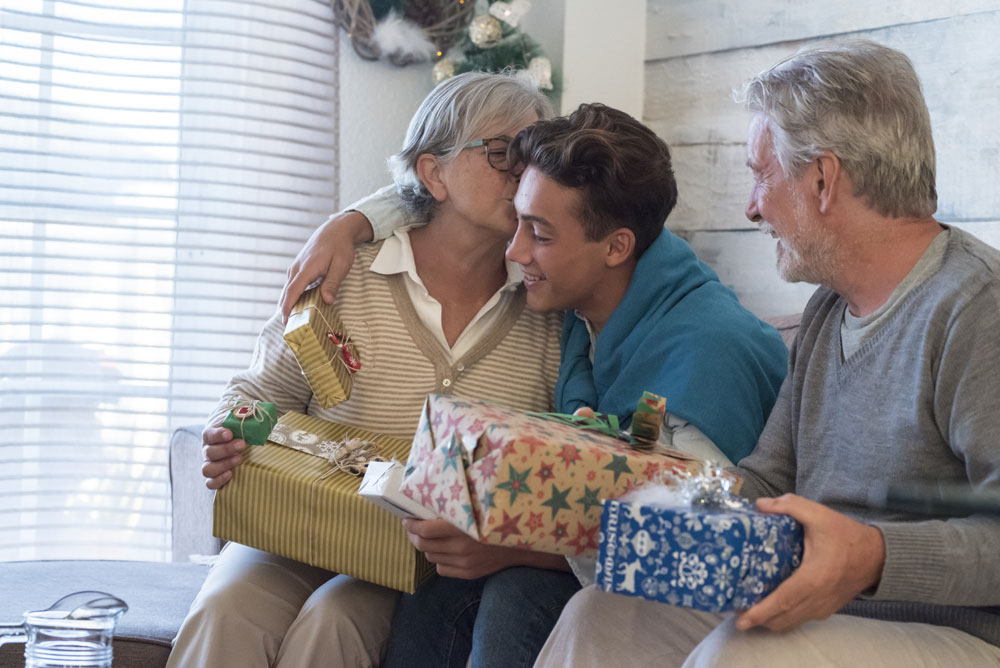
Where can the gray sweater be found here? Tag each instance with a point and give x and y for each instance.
(918, 402)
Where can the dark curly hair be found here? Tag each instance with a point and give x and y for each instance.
(619, 166)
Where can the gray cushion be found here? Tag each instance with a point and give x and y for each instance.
(158, 595)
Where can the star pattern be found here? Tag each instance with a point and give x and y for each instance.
(557, 501)
(517, 483)
(561, 531)
(569, 454)
(618, 464)
(456, 490)
(509, 526)
(589, 498)
(585, 538)
(426, 489)
(534, 522)
(545, 472)
(453, 456)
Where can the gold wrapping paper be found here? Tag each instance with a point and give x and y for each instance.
(320, 358)
(280, 501)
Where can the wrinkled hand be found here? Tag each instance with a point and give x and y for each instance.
(841, 559)
(456, 554)
(329, 253)
(222, 455)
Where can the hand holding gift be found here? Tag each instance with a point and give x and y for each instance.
(222, 455)
(842, 559)
(696, 545)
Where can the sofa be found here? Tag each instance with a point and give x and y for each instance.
(158, 594)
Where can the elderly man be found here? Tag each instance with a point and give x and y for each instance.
(892, 378)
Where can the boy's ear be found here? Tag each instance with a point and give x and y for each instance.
(429, 173)
(621, 245)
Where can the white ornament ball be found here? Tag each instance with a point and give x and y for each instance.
(510, 12)
(485, 31)
(443, 69)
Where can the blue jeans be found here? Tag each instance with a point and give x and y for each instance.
(501, 620)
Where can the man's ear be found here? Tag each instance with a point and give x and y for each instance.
(620, 244)
(429, 173)
(828, 180)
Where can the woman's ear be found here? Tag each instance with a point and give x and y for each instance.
(429, 171)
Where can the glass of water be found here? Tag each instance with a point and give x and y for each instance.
(75, 631)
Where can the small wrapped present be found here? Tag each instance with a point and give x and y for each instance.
(648, 420)
(521, 480)
(297, 496)
(323, 348)
(252, 421)
(696, 546)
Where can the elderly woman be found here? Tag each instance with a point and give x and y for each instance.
(448, 316)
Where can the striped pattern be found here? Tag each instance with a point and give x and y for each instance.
(278, 501)
(515, 365)
(319, 357)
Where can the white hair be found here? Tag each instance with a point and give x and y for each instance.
(862, 102)
(457, 112)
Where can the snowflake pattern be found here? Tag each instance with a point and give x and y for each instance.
(716, 561)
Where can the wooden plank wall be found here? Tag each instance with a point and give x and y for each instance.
(699, 51)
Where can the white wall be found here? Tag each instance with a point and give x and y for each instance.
(698, 51)
(377, 100)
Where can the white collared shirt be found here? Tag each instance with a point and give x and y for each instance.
(396, 257)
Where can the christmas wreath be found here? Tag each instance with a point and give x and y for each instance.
(449, 32)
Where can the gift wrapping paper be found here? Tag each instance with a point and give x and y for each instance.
(512, 478)
(319, 355)
(252, 421)
(711, 560)
(284, 499)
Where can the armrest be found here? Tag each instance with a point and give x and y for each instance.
(191, 501)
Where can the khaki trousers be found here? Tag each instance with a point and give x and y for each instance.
(598, 629)
(259, 610)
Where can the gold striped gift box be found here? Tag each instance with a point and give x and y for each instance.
(280, 501)
(306, 333)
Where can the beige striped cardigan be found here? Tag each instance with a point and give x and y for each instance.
(516, 364)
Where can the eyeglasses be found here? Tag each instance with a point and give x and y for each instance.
(496, 151)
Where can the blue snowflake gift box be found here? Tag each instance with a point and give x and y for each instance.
(706, 557)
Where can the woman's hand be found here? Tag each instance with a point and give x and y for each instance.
(222, 455)
(329, 253)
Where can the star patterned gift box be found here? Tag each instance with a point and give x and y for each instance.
(511, 478)
(323, 348)
(711, 560)
(286, 498)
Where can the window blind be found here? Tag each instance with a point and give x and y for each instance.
(161, 162)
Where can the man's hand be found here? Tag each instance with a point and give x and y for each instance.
(459, 556)
(330, 253)
(841, 559)
(221, 455)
